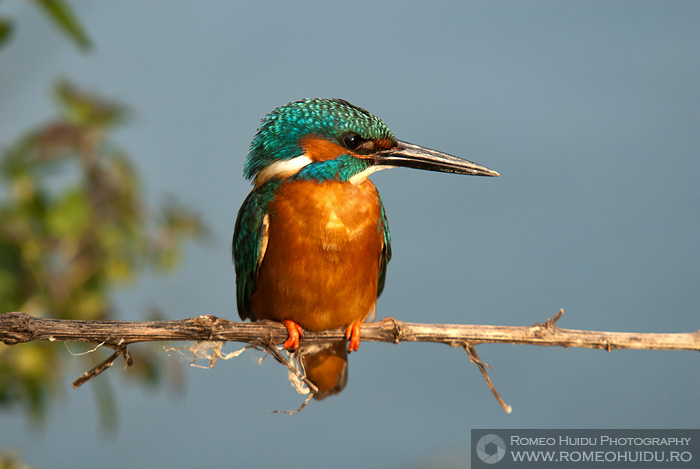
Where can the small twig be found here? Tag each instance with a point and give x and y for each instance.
(77, 354)
(474, 358)
(272, 350)
(549, 324)
(292, 412)
(102, 366)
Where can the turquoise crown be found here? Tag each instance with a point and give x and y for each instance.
(281, 131)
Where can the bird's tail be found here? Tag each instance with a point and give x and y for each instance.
(325, 365)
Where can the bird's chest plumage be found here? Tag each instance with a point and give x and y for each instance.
(321, 259)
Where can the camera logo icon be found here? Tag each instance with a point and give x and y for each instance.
(491, 448)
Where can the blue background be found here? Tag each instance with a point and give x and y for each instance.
(589, 110)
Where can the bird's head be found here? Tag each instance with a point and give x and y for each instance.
(331, 139)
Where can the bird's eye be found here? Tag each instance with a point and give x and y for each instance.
(351, 141)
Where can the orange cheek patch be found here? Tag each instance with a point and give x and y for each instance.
(320, 149)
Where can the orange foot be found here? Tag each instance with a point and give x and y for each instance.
(295, 333)
(352, 334)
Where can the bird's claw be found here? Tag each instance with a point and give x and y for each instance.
(296, 333)
(352, 335)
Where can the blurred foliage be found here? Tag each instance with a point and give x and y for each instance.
(12, 460)
(5, 30)
(60, 14)
(73, 227)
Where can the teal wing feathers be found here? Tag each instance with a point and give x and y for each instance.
(385, 255)
(249, 243)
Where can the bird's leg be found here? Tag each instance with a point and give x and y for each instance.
(352, 334)
(295, 333)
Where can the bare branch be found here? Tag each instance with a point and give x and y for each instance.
(19, 327)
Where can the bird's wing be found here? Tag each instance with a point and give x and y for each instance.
(385, 255)
(249, 245)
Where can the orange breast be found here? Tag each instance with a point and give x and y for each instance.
(321, 264)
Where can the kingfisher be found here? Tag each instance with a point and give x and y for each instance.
(311, 242)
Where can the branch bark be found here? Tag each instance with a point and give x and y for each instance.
(16, 328)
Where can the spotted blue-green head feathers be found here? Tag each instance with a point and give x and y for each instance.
(278, 138)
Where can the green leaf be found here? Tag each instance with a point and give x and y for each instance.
(84, 109)
(62, 15)
(5, 30)
(70, 216)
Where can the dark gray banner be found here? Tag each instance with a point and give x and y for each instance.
(521, 449)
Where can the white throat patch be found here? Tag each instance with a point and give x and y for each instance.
(284, 168)
(359, 178)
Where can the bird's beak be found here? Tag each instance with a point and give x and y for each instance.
(413, 156)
